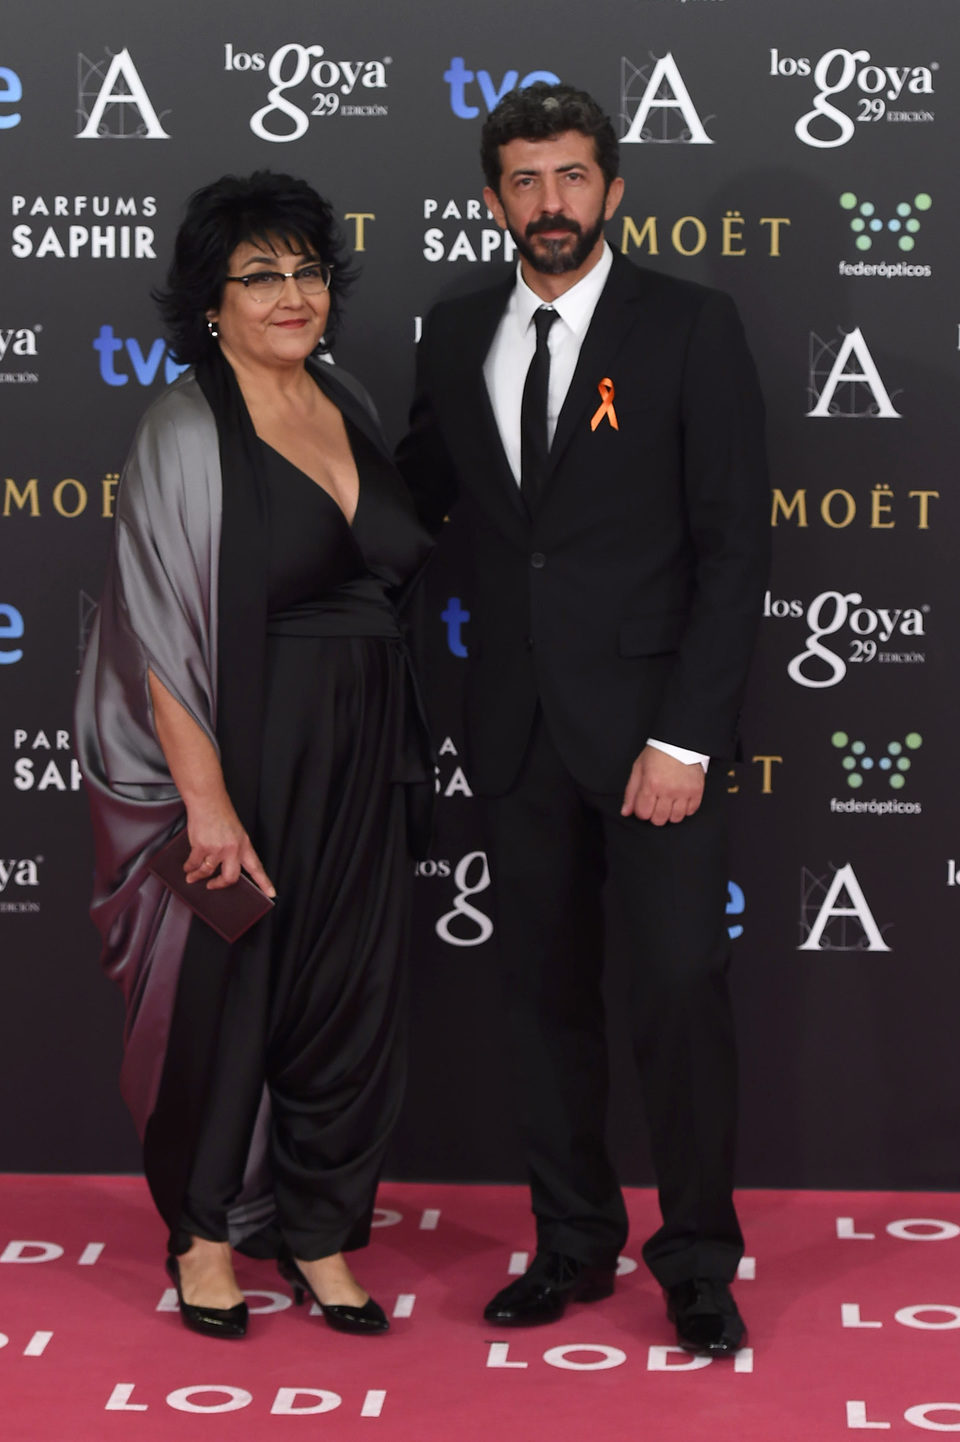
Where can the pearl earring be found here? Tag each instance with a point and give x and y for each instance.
(212, 328)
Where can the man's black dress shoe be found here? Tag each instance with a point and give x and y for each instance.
(549, 1283)
(706, 1317)
(228, 1322)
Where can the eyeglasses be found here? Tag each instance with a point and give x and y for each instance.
(266, 285)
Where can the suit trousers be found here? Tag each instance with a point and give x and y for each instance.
(561, 856)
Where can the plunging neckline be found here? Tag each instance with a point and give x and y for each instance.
(349, 523)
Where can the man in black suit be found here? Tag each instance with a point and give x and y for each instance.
(599, 429)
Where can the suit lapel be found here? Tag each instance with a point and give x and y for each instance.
(477, 424)
(616, 314)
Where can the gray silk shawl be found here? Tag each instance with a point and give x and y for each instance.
(158, 612)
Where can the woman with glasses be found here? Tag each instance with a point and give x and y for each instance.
(247, 679)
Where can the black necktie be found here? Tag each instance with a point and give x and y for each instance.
(534, 447)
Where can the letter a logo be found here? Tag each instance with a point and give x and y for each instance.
(121, 87)
(842, 938)
(676, 97)
(880, 407)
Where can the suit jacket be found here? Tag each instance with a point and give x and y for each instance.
(627, 605)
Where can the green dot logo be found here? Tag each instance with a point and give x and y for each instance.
(889, 763)
(902, 226)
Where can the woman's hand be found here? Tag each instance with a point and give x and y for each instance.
(219, 847)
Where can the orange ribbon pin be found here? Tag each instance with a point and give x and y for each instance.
(606, 407)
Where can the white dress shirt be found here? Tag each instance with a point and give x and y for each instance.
(508, 360)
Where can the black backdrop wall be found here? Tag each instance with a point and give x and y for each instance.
(801, 157)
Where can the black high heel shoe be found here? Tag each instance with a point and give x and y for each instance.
(228, 1322)
(362, 1321)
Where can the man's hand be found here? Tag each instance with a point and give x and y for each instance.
(661, 788)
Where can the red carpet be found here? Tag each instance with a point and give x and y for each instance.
(853, 1306)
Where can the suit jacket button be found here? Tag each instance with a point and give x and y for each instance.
(528, 642)
(538, 560)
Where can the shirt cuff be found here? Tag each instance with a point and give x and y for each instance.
(680, 753)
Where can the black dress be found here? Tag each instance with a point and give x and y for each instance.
(312, 1022)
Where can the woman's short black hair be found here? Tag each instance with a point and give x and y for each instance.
(539, 112)
(261, 207)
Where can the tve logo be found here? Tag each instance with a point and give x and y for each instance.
(11, 629)
(145, 367)
(458, 77)
(11, 91)
(454, 618)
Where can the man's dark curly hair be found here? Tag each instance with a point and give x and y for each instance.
(263, 207)
(540, 111)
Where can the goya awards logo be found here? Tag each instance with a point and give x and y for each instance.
(656, 108)
(843, 631)
(322, 87)
(18, 354)
(19, 885)
(882, 233)
(464, 924)
(869, 93)
(872, 772)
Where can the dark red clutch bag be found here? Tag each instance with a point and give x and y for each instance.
(230, 912)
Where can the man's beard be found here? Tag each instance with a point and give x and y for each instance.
(556, 258)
